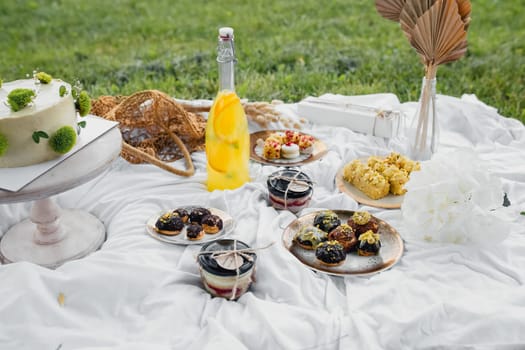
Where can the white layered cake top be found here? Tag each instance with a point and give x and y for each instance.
(47, 113)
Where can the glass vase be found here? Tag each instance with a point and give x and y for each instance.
(424, 129)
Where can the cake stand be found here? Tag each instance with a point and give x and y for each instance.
(52, 235)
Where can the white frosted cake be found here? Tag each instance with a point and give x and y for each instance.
(26, 136)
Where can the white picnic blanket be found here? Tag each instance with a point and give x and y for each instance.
(139, 293)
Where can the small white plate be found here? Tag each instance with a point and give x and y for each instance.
(181, 239)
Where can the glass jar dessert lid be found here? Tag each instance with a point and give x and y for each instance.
(293, 183)
(209, 257)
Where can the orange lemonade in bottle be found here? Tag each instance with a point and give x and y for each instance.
(227, 136)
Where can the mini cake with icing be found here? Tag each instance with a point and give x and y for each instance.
(197, 214)
(183, 213)
(369, 244)
(306, 143)
(289, 150)
(212, 223)
(330, 253)
(291, 136)
(345, 235)
(272, 149)
(221, 278)
(326, 220)
(362, 221)
(276, 136)
(38, 120)
(309, 237)
(194, 232)
(289, 189)
(169, 224)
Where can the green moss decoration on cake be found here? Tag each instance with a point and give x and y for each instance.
(43, 77)
(19, 98)
(83, 103)
(3, 144)
(63, 140)
(1, 81)
(62, 90)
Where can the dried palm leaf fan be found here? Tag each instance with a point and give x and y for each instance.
(437, 30)
(390, 9)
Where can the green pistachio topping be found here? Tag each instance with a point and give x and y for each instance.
(361, 217)
(63, 140)
(311, 234)
(43, 77)
(332, 243)
(83, 103)
(19, 98)
(370, 237)
(345, 228)
(3, 144)
(166, 217)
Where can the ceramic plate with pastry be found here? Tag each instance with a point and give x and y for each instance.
(377, 181)
(343, 242)
(187, 225)
(285, 147)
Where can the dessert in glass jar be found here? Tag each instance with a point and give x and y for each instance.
(289, 189)
(227, 268)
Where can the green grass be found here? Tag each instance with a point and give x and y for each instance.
(286, 49)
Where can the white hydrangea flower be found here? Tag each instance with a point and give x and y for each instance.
(454, 198)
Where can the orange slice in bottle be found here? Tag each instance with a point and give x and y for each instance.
(220, 155)
(225, 121)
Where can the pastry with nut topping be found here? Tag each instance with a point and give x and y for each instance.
(369, 244)
(183, 213)
(169, 224)
(330, 253)
(362, 221)
(379, 176)
(345, 235)
(309, 237)
(212, 223)
(326, 220)
(197, 214)
(194, 232)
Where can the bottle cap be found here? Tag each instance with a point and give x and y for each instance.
(226, 33)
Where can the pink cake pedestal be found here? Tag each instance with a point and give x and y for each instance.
(51, 235)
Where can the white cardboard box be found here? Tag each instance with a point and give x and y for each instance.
(376, 115)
